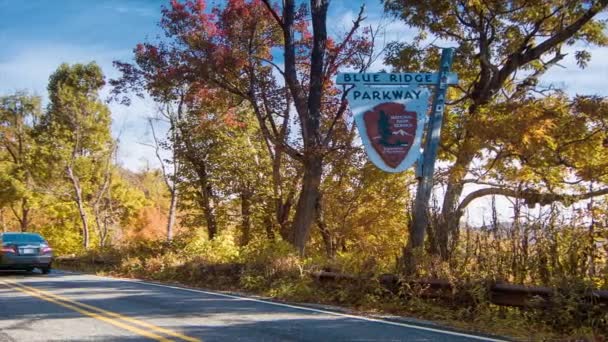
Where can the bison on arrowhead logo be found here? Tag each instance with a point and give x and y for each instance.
(391, 130)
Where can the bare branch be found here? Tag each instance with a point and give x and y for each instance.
(158, 156)
(274, 14)
(271, 63)
(530, 196)
(527, 54)
(356, 24)
(339, 114)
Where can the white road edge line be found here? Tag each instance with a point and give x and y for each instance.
(362, 318)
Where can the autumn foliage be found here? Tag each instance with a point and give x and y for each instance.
(262, 179)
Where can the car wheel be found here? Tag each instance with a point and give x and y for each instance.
(46, 270)
(29, 269)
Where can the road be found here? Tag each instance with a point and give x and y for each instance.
(75, 307)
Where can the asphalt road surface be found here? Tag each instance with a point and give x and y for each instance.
(75, 307)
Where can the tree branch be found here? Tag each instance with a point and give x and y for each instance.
(158, 156)
(271, 63)
(356, 24)
(274, 14)
(317, 59)
(339, 114)
(531, 197)
(291, 75)
(527, 54)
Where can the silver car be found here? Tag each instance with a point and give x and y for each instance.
(25, 251)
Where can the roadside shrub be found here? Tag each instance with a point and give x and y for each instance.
(272, 258)
(573, 311)
(299, 290)
(131, 266)
(222, 249)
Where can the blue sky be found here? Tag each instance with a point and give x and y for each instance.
(100, 23)
(38, 35)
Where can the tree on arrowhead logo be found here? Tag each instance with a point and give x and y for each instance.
(390, 121)
(391, 130)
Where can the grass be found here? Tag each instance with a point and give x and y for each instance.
(285, 278)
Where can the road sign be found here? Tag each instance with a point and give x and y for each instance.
(390, 122)
(404, 78)
(390, 111)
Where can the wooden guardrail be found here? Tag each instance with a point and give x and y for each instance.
(498, 293)
(503, 294)
(72, 259)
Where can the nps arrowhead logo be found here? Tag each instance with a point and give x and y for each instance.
(390, 126)
(391, 130)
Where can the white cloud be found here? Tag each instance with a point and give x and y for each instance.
(144, 11)
(30, 67)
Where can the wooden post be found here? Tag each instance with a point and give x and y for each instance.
(426, 166)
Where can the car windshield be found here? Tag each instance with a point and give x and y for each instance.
(21, 238)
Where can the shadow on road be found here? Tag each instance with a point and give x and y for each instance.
(210, 317)
(6, 273)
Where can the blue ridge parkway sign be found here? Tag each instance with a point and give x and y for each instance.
(391, 112)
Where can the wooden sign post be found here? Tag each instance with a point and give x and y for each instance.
(426, 166)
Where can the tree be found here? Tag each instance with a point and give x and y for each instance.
(229, 51)
(201, 139)
(75, 135)
(19, 114)
(312, 93)
(116, 204)
(170, 176)
(363, 208)
(149, 221)
(244, 169)
(503, 49)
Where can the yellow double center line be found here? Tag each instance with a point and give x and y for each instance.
(152, 331)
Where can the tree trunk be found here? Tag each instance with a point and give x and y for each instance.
(209, 213)
(328, 241)
(282, 215)
(449, 221)
(277, 187)
(205, 190)
(25, 219)
(104, 237)
(447, 229)
(283, 203)
(170, 179)
(268, 224)
(591, 247)
(246, 217)
(2, 222)
(172, 213)
(445, 234)
(206, 193)
(102, 227)
(80, 203)
(418, 225)
(305, 210)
